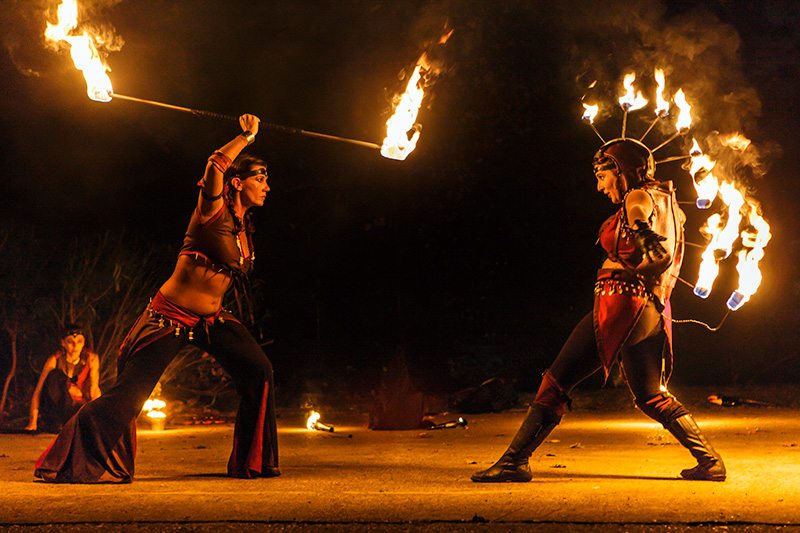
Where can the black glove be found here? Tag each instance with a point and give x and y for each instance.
(648, 241)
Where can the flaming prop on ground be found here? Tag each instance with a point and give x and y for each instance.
(313, 423)
(737, 225)
(153, 407)
(83, 48)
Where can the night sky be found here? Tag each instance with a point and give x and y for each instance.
(475, 256)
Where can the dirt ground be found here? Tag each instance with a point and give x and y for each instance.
(606, 468)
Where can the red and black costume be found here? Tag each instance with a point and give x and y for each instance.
(98, 444)
(630, 323)
(62, 395)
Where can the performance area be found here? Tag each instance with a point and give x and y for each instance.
(606, 467)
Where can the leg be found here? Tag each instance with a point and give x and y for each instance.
(642, 364)
(577, 360)
(56, 403)
(98, 444)
(255, 437)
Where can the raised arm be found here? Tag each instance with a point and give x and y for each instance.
(49, 365)
(210, 199)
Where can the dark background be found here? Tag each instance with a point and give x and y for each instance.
(475, 256)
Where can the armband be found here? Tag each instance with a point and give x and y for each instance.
(249, 135)
(221, 161)
(209, 197)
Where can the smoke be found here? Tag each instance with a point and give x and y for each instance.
(22, 25)
(698, 52)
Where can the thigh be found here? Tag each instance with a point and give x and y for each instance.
(139, 375)
(235, 349)
(578, 358)
(643, 368)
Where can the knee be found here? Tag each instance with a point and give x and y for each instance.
(664, 408)
(551, 397)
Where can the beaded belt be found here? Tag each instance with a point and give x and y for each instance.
(620, 282)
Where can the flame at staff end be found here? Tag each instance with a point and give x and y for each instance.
(83, 50)
(397, 144)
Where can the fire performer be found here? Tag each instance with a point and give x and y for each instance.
(98, 444)
(69, 379)
(630, 320)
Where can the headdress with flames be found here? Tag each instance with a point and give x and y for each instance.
(634, 160)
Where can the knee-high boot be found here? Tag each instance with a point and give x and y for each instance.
(513, 465)
(709, 463)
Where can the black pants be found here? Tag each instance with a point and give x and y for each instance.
(99, 442)
(641, 356)
(56, 405)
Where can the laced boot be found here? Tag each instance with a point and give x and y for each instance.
(709, 463)
(513, 465)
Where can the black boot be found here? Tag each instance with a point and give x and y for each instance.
(513, 465)
(709, 463)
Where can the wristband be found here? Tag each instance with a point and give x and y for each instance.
(249, 135)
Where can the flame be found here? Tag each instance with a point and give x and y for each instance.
(662, 106)
(397, 144)
(312, 419)
(704, 181)
(754, 240)
(591, 112)
(736, 141)
(83, 50)
(684, 121)
(153, 407)
(629, 102)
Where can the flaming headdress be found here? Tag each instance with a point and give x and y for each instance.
(736, 226)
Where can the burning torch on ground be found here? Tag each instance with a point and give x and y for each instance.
(313, 423)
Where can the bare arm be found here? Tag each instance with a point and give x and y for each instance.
(212, 179)
(94, 376)
(655, 258)
(49, 365)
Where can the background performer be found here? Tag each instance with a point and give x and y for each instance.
(69, 379)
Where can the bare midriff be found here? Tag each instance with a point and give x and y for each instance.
(196, 287)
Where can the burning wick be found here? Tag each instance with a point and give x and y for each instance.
(662, 106)
(313, 423)
(588, 117)
(630, 101)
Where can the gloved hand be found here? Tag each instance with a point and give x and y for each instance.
(648, 241)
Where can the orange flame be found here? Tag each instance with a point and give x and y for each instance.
(736, 141)
(662, 106)
(83, 50)
(754, 240)
(591, 112)
(628, 101)
(704, 181)
(312, 419)
(684, 121)
(397, 144)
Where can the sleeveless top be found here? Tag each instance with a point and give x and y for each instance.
(215, 242)
(80, 384)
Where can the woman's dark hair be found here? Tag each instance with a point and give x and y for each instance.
(241, 165)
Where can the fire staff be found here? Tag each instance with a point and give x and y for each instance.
(98, 444)
(630, 322)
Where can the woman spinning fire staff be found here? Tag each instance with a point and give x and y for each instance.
(98, 444)
(630, 320)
